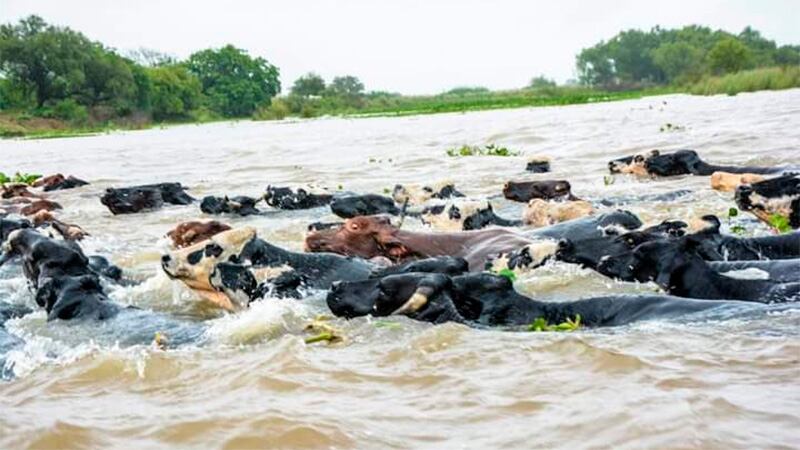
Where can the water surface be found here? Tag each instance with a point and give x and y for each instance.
(250, 381)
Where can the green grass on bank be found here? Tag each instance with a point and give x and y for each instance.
(444, 103)
(770, 78)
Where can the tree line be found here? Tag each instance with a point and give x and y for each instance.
(53, 71)
(636, 58)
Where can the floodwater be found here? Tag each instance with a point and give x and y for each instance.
(249, 381)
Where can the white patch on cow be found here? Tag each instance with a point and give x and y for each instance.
(538, 251)
(542, 213)
(443, 222)
(197, 275)
(751, 273)
(262, 274)
(779, 205)
(417, 194)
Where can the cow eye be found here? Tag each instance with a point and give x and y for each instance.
(213, 250)
(194, 257)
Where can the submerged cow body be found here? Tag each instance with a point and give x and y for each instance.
(292, 199)
(59, 182)
(194, 231)
(490, 300)
(525, 191)
(144, 198)
(677, 267)
(464, 216)
(240, 205)
(233, 267)
(679, 162)
(375, 236)
(773, 200)
(60, 275)
(712, 245)
(414, 194)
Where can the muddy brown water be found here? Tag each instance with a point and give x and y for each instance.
(249, 381)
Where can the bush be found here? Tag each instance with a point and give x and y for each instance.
(174, 92)
(277, 110)
(773, 78)
(70, 111)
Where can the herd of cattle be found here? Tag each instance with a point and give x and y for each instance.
(458, 271)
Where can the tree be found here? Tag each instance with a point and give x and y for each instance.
(51, 64)
(346, 86)
(150, 58)
(680, 61)
(541, 82)
(729, 55)
(235, 83)
(175, 91)
(787, 55)
(631, 52)
(308, 85)
(595, 66)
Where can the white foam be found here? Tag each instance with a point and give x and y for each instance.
(751, 273)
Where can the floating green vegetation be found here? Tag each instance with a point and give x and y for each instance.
(324, 331)
(780, 223)
(735, 228)
(24, 178)
(508, 273)
(608, 180)
(540, 324)
(487, 150)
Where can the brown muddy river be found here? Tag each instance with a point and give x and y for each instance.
(250, 381)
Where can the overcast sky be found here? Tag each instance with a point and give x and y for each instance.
(406, 46)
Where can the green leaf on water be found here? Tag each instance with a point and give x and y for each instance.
(608, 180)
(508, 273)
(733, 212)
(540, 324)
(738, 229)
(780, 223)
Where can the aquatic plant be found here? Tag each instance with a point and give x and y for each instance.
(487, 150)
(508, 273)
(780, 223)
(24, 178)
(540, 324)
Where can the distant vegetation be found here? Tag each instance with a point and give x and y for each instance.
(54, 81)
(50, 74)
(636, 59)
(769, 78)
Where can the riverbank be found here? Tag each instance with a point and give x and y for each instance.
(24, 125)
(27, 126)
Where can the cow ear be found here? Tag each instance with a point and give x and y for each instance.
(713, 224)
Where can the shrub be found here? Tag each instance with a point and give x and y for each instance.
(70, 111)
